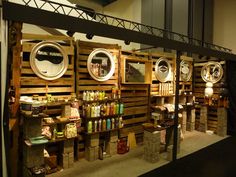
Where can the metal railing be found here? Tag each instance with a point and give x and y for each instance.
(118, 22)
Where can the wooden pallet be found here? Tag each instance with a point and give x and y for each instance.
(84, 81)
(31, 84)
(136, 101)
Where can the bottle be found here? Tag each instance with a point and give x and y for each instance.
(100, 95)
(54, 133)
(104, 125)
(98, 111)
(121, 108)
(103, 95)
(117, 108)
(117, 122)
(93, 109)
(120, 122)
(111, 109)
(90, 127)
(84, 110)
(100, 125)
(84, 95)
(114, 109)
(119, 94)
(108, 109)
(96, 96)
(108, 124)
(95, 126)
(112, 123)
(92, 96)
(88, 111)
(87, 96)
(102, 110)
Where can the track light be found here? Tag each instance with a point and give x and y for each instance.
(127, 42)
(70, 33)
(89, 36)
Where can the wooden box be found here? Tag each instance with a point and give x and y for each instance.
(114, 136)
(32, 127)
(91, 153)
(64, 160)
(111, 148)
(92, 140)
(68, 146)
(66, 110)
(33, 156)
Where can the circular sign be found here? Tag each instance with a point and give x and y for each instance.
(48, 60)
(101, 64)
(163, 69)
(212, 72)
(185, 70)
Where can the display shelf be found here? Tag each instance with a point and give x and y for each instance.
(58, 122)
(60, 139)
(28, 143)
(163, 95)
(28, 114)
(114, 129)
(102, 117)
(101, 101)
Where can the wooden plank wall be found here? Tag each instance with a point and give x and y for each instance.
(136, 101)
(199, 87)
(86, 83)
(31, 84)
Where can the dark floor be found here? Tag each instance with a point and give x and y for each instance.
(217, 160)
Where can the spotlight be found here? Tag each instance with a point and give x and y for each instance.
(127, 42)
(70, 33)
(89, 36)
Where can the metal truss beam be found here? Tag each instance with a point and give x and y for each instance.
(70, 18)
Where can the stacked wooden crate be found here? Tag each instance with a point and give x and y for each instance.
(222, 122)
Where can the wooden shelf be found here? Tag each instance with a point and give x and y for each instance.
(103, 117)
(114, 129)
(60, 139)
(28, 114)
(162, 95)
(101, 101)
(56, 121)
(28, 143)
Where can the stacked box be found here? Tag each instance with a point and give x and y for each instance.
(221, 122)
(70, 159)
(170, 153)
(152, 146)
(68, 146)
(111, 148)
(64, 160)
(203, 119)
(114, 136)
(184, 121)
(191, 120)
(32, 127)
(91, 153)
(66, 111)
(33, 156)
(92, 140)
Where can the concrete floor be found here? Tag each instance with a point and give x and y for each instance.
(132, 164)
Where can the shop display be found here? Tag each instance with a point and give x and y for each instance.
(163, 69)
(48, 60)
(101, 64)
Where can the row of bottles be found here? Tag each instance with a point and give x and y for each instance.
(100, 95)
(104, 124)
(105, 109)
